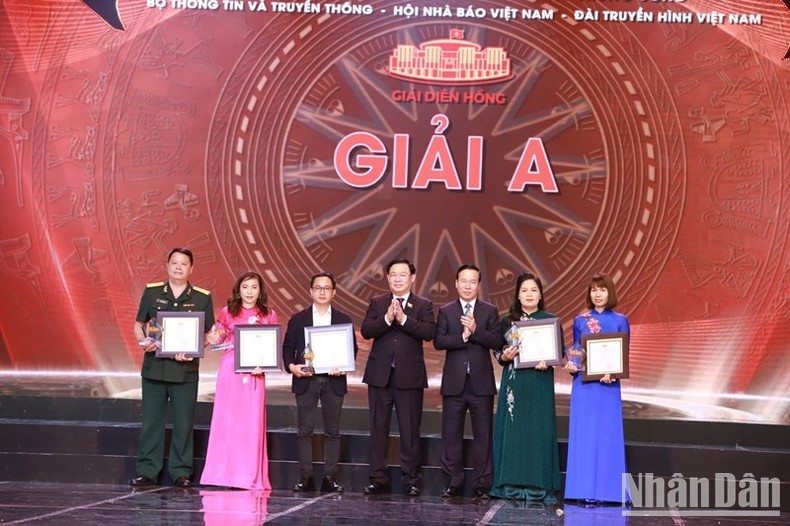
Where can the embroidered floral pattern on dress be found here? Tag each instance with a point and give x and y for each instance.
(593, 325)
(510, 396)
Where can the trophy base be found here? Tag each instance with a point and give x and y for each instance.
(220, 347)
(145, 342)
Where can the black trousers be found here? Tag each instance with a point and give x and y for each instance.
(481, 411)
(408, 406)
(331, 406)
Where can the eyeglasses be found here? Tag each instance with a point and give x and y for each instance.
(323, 289)
(396, 276)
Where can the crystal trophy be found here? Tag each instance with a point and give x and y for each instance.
(217, 338)
(153, 334)
(308, 360)
(513, 337)
(575, 355)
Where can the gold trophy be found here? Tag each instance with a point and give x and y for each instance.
(308, 360)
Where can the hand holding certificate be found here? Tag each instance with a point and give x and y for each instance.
(258, 349)
(181, 334)
(606, 356)
(540, 344)
(332, 348)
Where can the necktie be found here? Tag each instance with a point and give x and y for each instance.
(396, 326)
(395, 322)
(467, 310)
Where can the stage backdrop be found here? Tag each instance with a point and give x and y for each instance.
(647, 140)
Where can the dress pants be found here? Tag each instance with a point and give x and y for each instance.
(481, 411)
(331, 406)
(408, 406)
(151, 449)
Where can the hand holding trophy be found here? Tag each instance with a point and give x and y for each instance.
(217, 337)
(153, 336)
(308, 360)
(575, 358)
(513, 336)
(513, 342)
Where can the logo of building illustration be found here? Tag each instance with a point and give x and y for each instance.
(451, 61)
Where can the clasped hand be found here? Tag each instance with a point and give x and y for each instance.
(395, 313)
(469, 325)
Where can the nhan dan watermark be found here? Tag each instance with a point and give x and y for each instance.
(726, 495)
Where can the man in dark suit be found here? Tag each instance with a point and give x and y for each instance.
(330, 388)
(467, 329)
(398, 322)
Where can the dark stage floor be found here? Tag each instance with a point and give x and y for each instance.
(89, 504)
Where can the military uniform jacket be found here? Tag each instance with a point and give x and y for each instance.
(159, 297)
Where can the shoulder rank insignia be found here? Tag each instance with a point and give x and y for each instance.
(157, 284)
(204, 291)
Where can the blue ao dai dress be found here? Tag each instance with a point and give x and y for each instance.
(596, 445)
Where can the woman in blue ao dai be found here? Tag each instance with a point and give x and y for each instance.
(596, 445)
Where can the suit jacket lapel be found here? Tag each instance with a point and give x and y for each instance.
(409, 301)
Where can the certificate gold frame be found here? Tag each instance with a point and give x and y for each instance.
(605, 354)
(332, 346)
(182, 332)
(538, 341)
(258, 346)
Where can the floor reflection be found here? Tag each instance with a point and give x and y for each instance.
(97, 504)
(234, 507)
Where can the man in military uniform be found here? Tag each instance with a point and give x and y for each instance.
(174, 379)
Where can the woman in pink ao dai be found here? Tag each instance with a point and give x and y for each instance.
(236, 455)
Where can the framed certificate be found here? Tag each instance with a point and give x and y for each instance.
(258, 346)
(538, 341)
(181, 332)
(332, 346)
(605, 354)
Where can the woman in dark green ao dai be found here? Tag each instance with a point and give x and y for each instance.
(526, 459)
